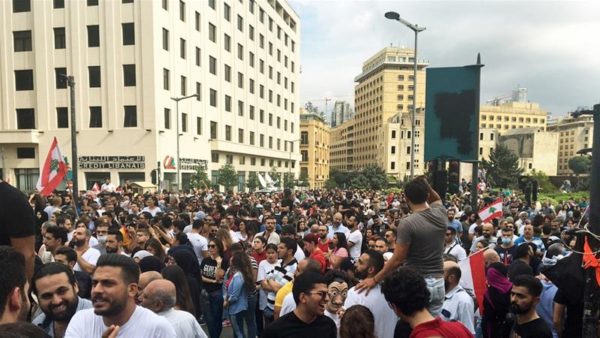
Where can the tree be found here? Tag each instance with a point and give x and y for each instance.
(544, 183)
(311, 108)
(199, 179)
(580, 165)
(303, 179)
(228, 177)
(375, 177)
(502, 168)
(338, 179)
(252, 182)
(288, 180)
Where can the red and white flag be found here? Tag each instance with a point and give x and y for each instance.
(96, 188)
(492, 211)
(53, 172)
(472, 269)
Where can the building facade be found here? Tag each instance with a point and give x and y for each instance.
(314, 150)
(341, 112)
(574, 134)
(341, 150)
(129, 60)
(383, 96)
(536, 150)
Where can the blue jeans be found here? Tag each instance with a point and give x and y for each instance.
(250, 316)
(437, 294)
(237, 324)
(214, 319)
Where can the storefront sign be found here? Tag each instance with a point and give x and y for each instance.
(192, 163)
(112, 162)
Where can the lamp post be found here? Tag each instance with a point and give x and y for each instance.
(75, 195)
(416, 29)
(177, 99)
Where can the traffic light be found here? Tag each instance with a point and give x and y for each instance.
(153, 176)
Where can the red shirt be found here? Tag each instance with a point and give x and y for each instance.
(318, 256)
(324, 246)
(259, 257)
(438, 327)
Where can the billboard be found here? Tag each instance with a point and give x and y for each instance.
(452, 113)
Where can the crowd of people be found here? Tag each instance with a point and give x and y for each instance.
(289, 264)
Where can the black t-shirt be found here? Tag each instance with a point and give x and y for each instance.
(208, 269)
(290, 326)
(16, 215)
(506, 254)
(536, 328)
(574, 316)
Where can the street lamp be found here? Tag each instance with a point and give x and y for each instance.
(416, 29)
(177, 99)
(74, 170)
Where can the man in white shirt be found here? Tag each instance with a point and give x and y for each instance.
(337, 226)
(269, 233)
(354, 239)
(458, 304)
(86, 255)
(107, 186)
(159, 296)
(199, 242)
(367, 266)
(452, 247)
(113, 297)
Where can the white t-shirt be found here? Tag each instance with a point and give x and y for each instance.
(199, 243)
(288, 305)
(355, 237)
(91, 256)
(263, 268)
(152, 212)
(299, 254)
(385, 318)
(142, 323)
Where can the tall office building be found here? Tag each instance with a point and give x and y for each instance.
(130, 59)
(574, 134)
(341, 112)
(383, 106)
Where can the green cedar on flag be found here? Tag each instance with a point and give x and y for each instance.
(492, 211)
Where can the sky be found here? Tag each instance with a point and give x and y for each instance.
(552, 48)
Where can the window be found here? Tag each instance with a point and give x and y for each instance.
(262, 140)
(183, 85)
(25, 118)
(130, 116)
(393, 150)
(228, 133)
(261, 15)
(212, 32)
(128, 34)
(212, 5)
(240, 80)
(213, 98)
(184, 122)
(28, 152)
(181, 10)
(227, 73)
(129, 75)
(94, 76)
(213, 130)
(227, 12)
(304, 137)
(198, 91)
(126, 1)
(197, 21)
(182, 48)
(61, 80)
(240, 52)
(212, 65)
(240, 23)
(22, 41)
(240, 108)
(165, 39)
(261, 41)
(227, 103)
(278, 122)
(95, 117)
(251, 61)
(304, 154)
(198, 59)
(24, 79)
(251, 138)
(270, 120)
(261, 91)
(59, 38)
(167, 117)
(270, 142)
(93, 34)
(251, 5)
(166, 85)
(214, 157)
(261, 116)
(20, 6)
(251, 113)
(227, 42)
(62, 117)
(251, 32)
(240, 135)
(198, 126)
(251, 85)
(92, 3)
(261, 66)
(165, 5)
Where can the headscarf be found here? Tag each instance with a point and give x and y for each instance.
(496, 278)
(186, 259)
(151, 263)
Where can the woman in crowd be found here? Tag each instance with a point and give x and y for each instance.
(183, 298)
(241, 235)
(154, 247)
(186, 259)
(236, 290)
(340, 250)
(496, 303)
(357, 322)
(224, 236)
(263, 268)
(213, 270)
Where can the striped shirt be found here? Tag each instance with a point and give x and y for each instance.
(282, 273)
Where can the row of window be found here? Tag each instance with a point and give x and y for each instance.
(24, 78)
(26, 117)
(215, 158)
(512, 119)
(20, 6)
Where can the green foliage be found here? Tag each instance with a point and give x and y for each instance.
(580, 165)
(303, 179)
(502, 168)
(544, 183)
(199, 179)
(288, 180)
(371, 177)
(252, 182)
(558, 197)
(228, 177)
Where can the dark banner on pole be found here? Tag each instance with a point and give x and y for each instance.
(452, 113)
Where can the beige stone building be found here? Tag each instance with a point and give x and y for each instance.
(341, 148)
(535, 149)
(574, 134)
(383, 105)
(129, 59)
(314, 149)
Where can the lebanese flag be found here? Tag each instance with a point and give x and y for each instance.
(53, 172)
(492, 211)
(472, 269)
(96, 188)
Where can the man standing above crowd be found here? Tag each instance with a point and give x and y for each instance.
(420, 242)
(56, 289)
(113, 297)
(355, 238)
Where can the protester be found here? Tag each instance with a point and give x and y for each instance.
(358, 322)
(496, 302)
(525, 295)
(458, 304)
(213, 270)
(14, 303)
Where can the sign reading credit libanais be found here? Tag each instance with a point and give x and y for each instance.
(112, 162)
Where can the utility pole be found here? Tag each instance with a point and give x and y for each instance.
(591, 296)
(74, 162)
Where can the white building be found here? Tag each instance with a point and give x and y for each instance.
(129, 59)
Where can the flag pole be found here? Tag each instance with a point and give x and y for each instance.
(74, 164)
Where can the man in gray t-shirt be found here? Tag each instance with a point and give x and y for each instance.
(420, 242)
